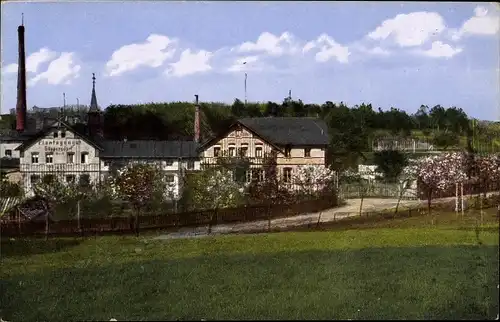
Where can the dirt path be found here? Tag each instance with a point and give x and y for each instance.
(351, 209)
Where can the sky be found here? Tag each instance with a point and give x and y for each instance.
(389, 54)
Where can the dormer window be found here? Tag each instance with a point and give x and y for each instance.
(56, 134)
(63, 134)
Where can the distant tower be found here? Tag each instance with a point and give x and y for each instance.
(94, 115)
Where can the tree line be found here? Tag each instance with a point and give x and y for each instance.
(352, 128)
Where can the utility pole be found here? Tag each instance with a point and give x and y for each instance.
(246, 89)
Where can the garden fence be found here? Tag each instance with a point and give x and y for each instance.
(376, 190)
(83, 225)
(311, 214)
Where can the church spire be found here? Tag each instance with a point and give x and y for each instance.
(93, 100)
(94, 116)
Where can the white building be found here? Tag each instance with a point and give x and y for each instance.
(59, 149)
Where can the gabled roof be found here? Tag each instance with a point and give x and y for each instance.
(56, 124)
(149, 149)
(294, 131)
(282, 131)
(9, 163)
(15, 136)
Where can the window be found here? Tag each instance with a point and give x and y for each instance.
(55, 134)
(63, 134)
(34, 157)
(238, 132)
(70, 157)
(257, 175)
(169, 178)
(216, 151)
(288, 152)
(70, 178)
(307, 152)
(287, 175)
(8, 153)
(190, 165)
(34, 179)
(244, 150)
(258, 152)
(49, 157)
(107, 163)
(232, 151)
(169, 162)
(84, 157)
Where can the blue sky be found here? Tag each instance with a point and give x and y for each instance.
(388, 54)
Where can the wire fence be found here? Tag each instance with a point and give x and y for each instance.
(376, 190)
(312, 214)
(16, 224)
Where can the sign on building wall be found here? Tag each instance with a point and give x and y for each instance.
(59, 146)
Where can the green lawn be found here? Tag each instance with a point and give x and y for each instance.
(407, 269)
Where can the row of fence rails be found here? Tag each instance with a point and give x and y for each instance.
(7, 205)
(376, 190)
(265, 212)
(465, 189)
(147, 221)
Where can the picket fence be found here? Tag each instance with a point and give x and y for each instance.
(90, 226)
(376, 190)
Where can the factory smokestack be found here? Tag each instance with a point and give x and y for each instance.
(197, 120)
(21, 83)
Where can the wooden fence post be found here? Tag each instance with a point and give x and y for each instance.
(19, 221)
(78, 216)
(269, 220)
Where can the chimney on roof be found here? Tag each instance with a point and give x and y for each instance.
(21, 82)
(197, 120)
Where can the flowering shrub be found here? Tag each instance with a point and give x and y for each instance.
(487, 169)
(138, 184)
(440, 171)
(213, 188)
(310, 179)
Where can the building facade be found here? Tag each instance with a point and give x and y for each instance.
(295, 141)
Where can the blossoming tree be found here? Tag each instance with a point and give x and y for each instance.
(213, 188)
(437, 173)
(313, 179)
(138, 184)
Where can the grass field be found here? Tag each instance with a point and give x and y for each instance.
(397, 269)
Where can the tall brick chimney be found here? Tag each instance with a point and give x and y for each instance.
(197, 120)
(21, 83)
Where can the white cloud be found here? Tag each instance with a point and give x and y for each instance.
(33, 61)
(190, 63)
(409, 30)
(244, 64)
(441, 50)
(10, 69)
(271, 44)
(60, 70)
(151, 53)
(328, 49)
(483, 23)
(378, 51)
